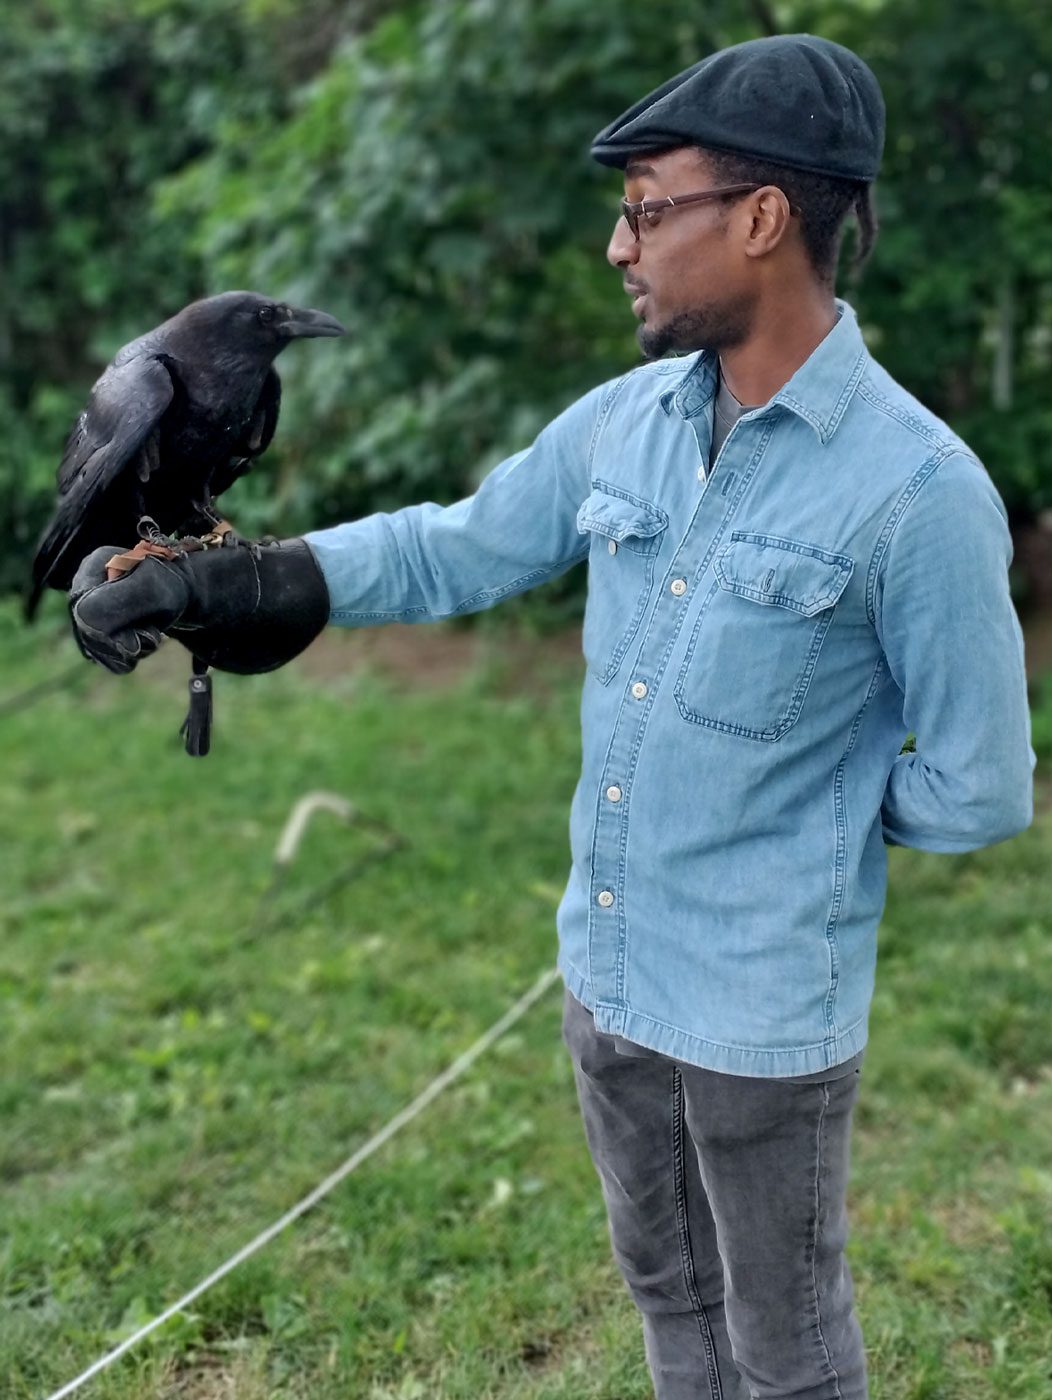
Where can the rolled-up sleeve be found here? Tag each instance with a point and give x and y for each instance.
(427, 561)
(954, 648)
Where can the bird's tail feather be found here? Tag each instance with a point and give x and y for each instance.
(53, 550)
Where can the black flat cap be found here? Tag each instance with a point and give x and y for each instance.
(794, 99)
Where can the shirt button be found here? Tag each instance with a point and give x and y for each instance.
(639, 690)
(678, 586)
(701, 473)
(612, 546)
(605, 898)
(614, 793)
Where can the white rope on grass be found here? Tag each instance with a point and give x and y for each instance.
(299, 817)
(457, 1068)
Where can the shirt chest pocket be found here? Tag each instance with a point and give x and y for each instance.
(754, 648)
(626, 534)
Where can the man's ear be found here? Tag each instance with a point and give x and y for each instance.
(768, 209)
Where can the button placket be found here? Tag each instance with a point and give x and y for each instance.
(711, 514)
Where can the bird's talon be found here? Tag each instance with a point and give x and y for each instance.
(230, 539)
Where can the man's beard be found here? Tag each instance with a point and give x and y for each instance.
(716, 326)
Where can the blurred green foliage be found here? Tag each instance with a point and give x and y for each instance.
(959, 292)
(421, 170)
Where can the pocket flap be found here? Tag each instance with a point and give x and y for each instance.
(620, 516)
(787, 573)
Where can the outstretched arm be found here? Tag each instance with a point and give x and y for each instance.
(427, 561)
(252, 610)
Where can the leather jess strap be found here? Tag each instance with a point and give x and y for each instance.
(120, 564)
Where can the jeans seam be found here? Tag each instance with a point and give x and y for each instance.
(683, 1230)
(814, 1240)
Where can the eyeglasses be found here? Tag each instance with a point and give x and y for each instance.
(645, 208)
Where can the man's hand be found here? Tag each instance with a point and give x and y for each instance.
(243, 610)
(118, 623)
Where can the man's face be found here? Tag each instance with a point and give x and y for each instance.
(692, 287)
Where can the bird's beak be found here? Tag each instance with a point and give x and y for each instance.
(302, 324)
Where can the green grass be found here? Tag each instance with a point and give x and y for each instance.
(183, 1055)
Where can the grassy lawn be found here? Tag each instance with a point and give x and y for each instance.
(184, 1054)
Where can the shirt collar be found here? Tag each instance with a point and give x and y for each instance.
(818, 392)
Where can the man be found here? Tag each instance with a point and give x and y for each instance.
(792, 564)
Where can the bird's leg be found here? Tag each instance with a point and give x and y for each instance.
(147, 528)
(149, 531)
(205, 511)
(222, 532)
(152, 540)
(148, 460)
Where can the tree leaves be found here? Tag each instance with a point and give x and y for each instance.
(423, 170)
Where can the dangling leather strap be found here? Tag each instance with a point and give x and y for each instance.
(197, 726)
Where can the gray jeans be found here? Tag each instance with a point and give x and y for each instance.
(726, 1202)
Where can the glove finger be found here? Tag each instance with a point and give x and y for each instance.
(118, 649)
(150, 638)
(118, 654)
(123, 652)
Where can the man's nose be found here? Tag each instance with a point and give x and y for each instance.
(623, 247)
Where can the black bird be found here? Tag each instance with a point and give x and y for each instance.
(178, 415)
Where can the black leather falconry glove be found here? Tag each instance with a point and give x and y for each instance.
(245, 610)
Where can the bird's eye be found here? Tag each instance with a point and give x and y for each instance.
(266, 313)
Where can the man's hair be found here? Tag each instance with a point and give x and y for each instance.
(824, 201)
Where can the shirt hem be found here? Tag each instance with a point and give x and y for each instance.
(754, 1062)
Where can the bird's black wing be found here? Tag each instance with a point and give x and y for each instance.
(125, 407)
(256, 438)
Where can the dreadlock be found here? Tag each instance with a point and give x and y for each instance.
(825, 203)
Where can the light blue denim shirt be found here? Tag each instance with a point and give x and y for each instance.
(759, 642)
